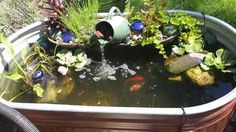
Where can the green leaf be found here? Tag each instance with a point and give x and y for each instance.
(38, 90)
(78, 51)
(175, 21)
(219, 53)
(178, 50)
(209, 59)
(219, 64)
(10, 49)
(194, 47)
(7, 43)
(13, 76)
(204, 66)
(184, 36)
(24, 53)
(81, 57)
(197, 45)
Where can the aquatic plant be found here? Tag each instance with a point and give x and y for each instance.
(67, 60)
(38, 60)
(190, 36)
(223, 60)
(38, 90)
(15, 76)
(43, 62)
(80, 19)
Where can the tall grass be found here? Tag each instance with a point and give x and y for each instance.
(223, 9)
(81, 19)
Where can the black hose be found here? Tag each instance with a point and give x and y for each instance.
(20, 120)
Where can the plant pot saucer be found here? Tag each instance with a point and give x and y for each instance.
(167, 40)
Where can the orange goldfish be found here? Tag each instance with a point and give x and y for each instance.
(135, 83)
(133, 79)
(136, 87)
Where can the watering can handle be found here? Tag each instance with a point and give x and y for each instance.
(112, 10)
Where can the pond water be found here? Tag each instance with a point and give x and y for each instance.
(129, 77)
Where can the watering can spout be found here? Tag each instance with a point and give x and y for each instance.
(101, 38)
(113, 29)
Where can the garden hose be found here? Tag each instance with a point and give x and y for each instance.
(20, 120)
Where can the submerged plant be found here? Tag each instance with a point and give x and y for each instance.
(223, 60)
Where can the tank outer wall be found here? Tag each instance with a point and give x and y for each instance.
(212, 121)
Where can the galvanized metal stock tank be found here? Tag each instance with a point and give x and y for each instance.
(210, 117)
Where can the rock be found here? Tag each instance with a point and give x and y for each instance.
(50, 93)
(175, 78)
(201, 77)
(179, 64)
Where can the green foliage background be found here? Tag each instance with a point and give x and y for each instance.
(16, 13)
(222, 9)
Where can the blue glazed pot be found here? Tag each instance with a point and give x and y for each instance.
(66, 37)
(137, 26)
(37, 75)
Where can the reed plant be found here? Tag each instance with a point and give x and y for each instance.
(80, 19)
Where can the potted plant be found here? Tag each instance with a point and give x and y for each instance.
(69, 24)
(162, 27)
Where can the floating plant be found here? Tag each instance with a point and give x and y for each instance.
(224, 60)
(67, 59)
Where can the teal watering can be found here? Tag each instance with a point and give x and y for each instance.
(113, 29)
